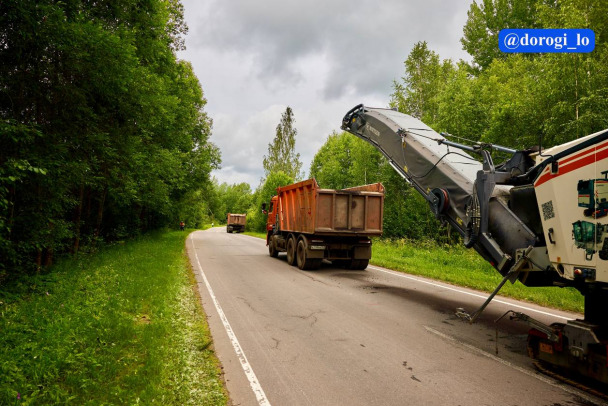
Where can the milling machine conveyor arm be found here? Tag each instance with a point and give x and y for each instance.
(460, 189)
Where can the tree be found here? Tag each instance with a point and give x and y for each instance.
(461, 110)
(256, 220)
(575, 86)
(281, 152)
(345, 161)
(234, 198)
(484, 22)
(105, 127)
(424, 79)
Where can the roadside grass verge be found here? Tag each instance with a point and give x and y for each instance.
(256, 234)
(463, 267)
(460, 266)
(123, 326)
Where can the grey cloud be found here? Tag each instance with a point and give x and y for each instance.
(366, 41)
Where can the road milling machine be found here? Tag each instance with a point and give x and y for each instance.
(540, 217)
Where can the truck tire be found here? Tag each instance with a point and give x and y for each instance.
(272, 250)
(291, 251)
(357, 264)
(305, 263)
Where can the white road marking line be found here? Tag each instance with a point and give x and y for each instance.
(253, 380)
(538, 376)
(401, 275)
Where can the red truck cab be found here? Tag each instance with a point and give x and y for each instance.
(272, 217)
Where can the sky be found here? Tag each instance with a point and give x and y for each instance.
(320, 57)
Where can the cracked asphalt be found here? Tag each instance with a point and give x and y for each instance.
(374, 337)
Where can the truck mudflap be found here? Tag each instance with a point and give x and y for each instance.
(362, 252)
(356, 252)
(338, 248)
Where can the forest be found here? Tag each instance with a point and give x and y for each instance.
(98, 152)
(104, 133)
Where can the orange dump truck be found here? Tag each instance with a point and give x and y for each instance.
(312, 224)
(235, 222)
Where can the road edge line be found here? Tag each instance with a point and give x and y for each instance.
(251, 376)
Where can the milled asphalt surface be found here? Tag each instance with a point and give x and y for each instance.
(373, 337)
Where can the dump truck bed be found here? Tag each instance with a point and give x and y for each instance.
(306, 208)
(236, 219)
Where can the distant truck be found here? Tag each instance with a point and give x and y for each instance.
(312, 224)
(235, 222)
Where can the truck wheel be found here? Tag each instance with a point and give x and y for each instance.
(358, 264)
(291, 251)
(272, 249)
(303, 262)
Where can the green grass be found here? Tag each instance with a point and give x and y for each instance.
(123, 326)
(462, 267)
(256, 234)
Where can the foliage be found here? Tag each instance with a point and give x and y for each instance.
(345, 161)
(558, 97)
(256, 220)
(194, 208)
(123, 326)
(485, 21)
(103, 128)
(236, 198)
(512, 99)
(424, 79)
(281, 152)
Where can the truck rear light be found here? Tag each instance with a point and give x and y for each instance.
(317, 247)
(584, 273)
(365, 242)
(316, 241)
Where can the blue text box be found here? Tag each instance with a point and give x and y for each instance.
(546, 40)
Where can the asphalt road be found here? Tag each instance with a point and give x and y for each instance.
(374, 337)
